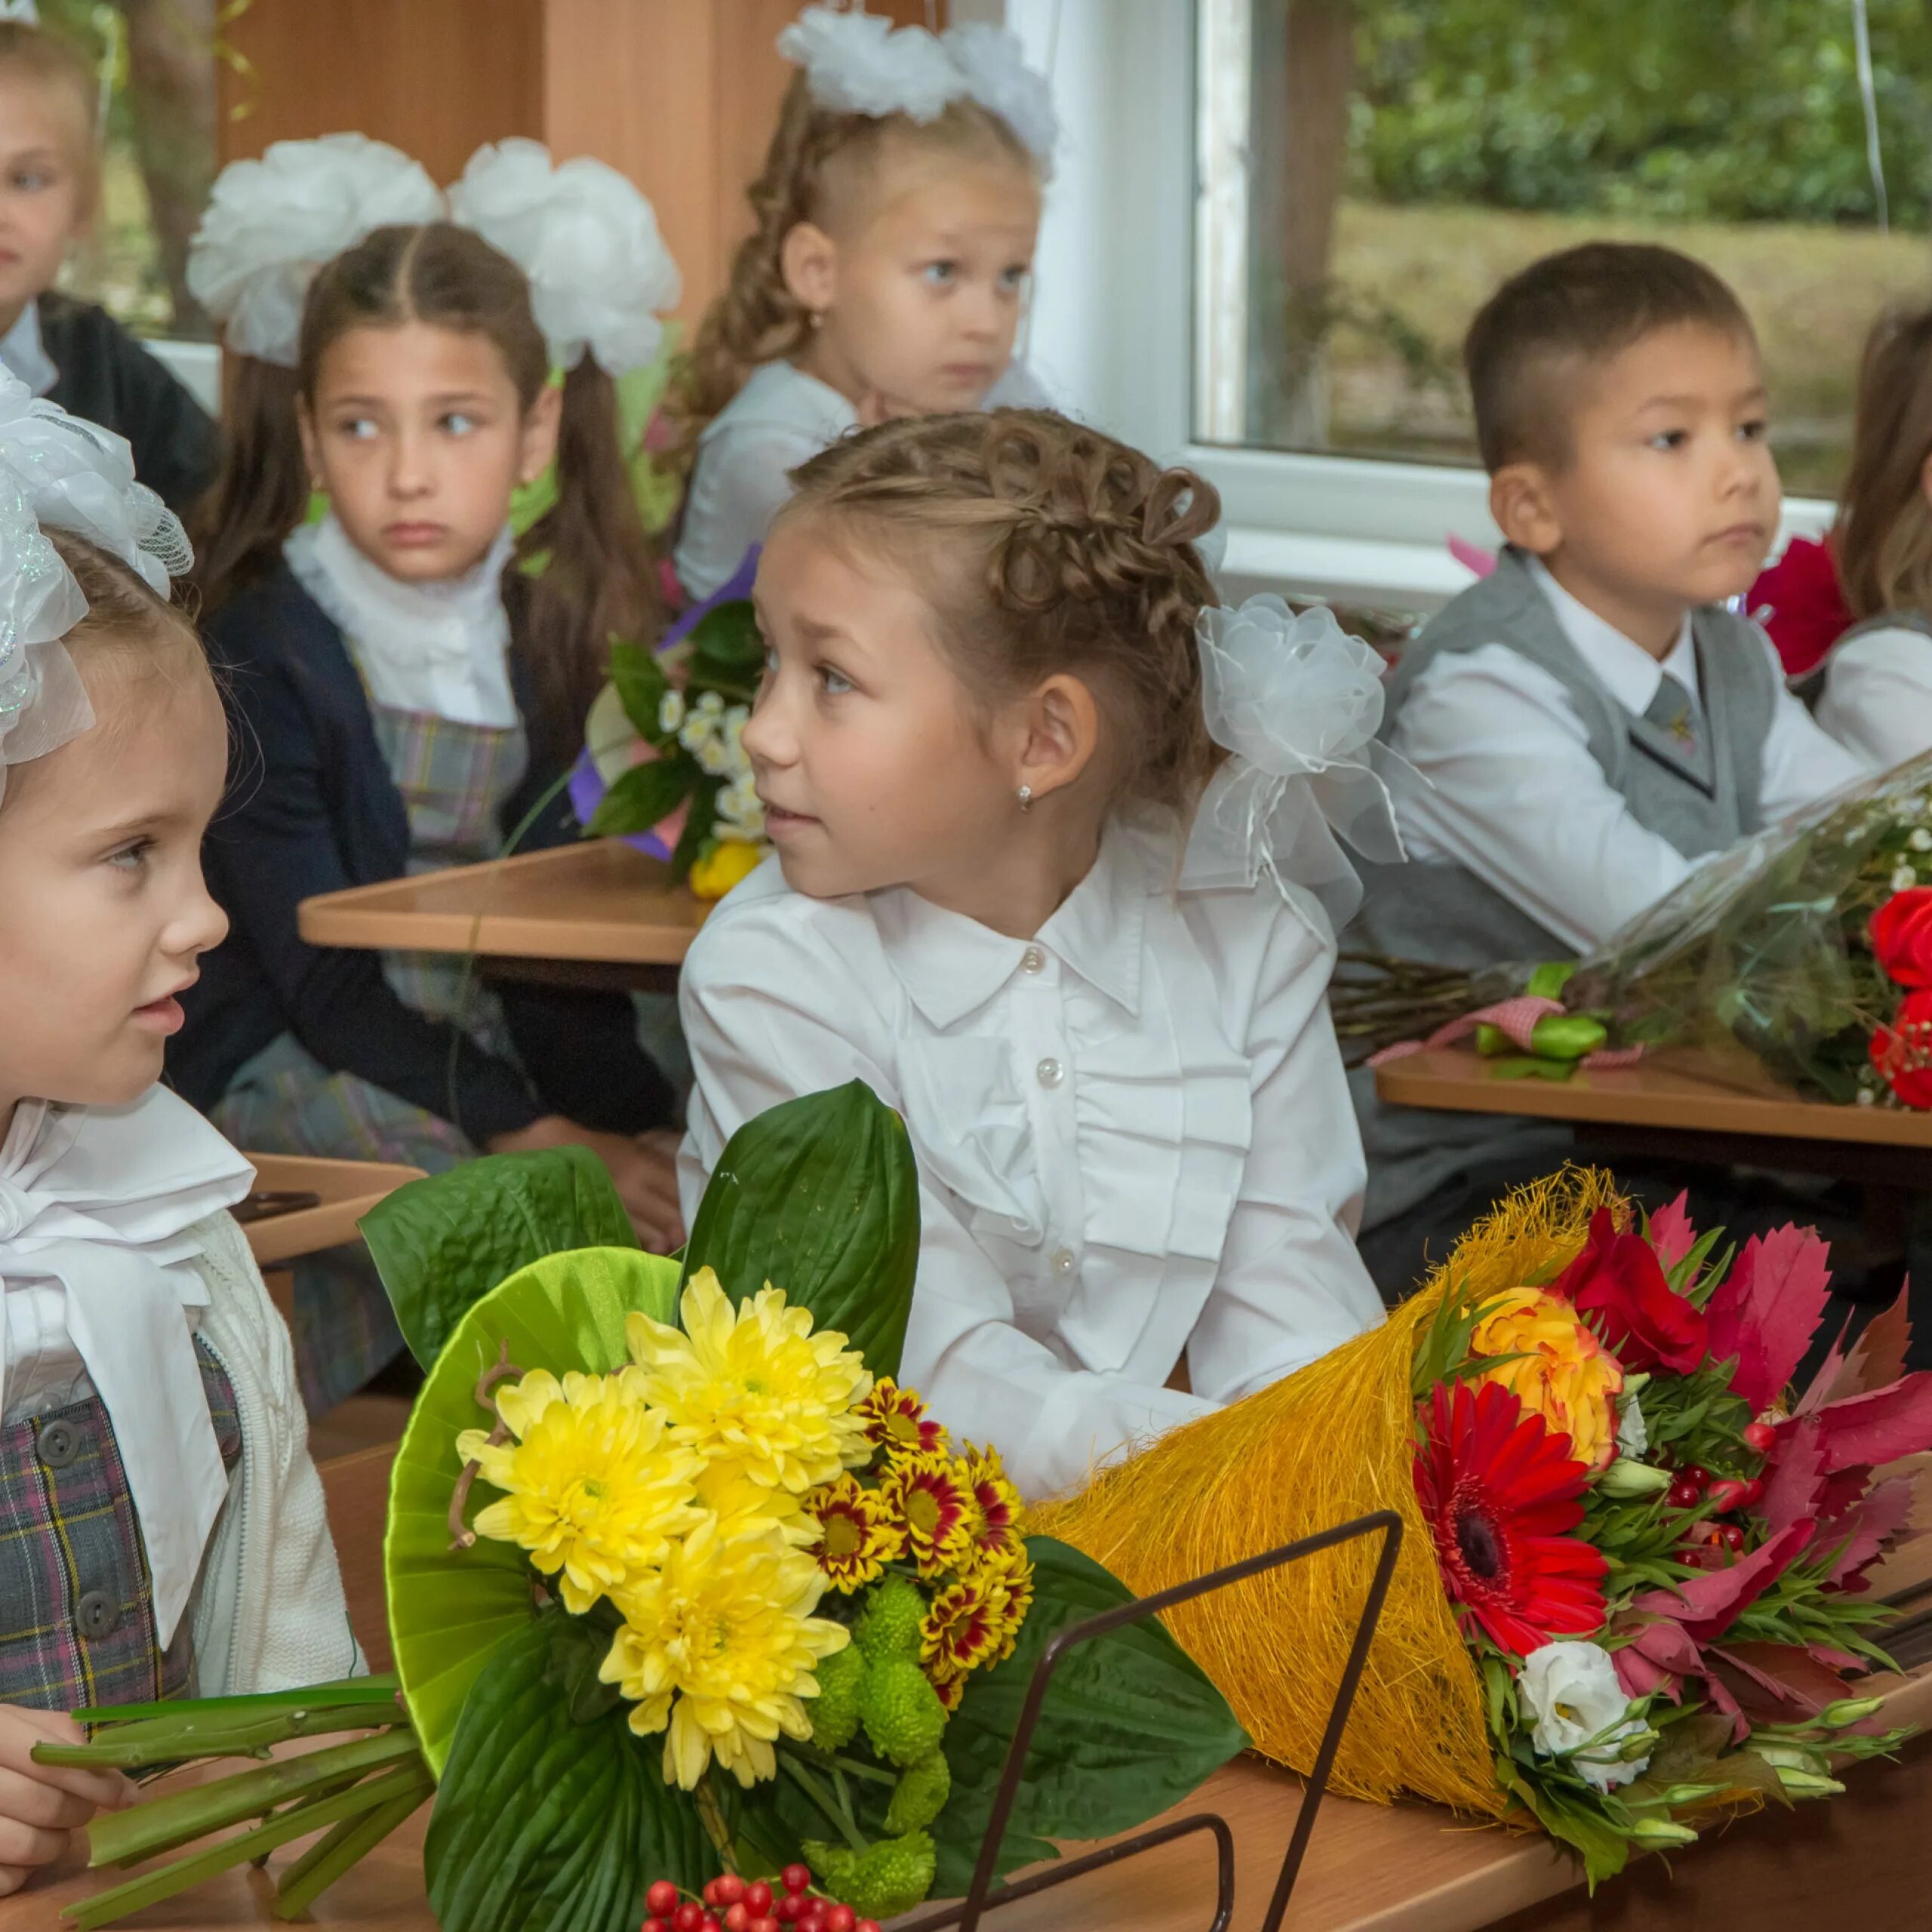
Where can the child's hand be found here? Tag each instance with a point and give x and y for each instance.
(645, 1171)
(41, 1806)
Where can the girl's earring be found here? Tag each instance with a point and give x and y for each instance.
(818, 319)
(1025, 795)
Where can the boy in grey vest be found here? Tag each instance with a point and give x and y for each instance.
(1589, 722)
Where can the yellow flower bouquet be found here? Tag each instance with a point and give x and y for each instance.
(700, 1620)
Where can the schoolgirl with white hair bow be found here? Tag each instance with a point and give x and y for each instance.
(161, 1527)
(410, 678)
(887, 271)
(1057, 875)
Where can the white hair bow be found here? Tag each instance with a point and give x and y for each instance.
(857, 62)
(586, 238)
(1297, 702)
(25, 11)
(271, 224)
(58, 472)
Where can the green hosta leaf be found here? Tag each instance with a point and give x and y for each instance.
(1131, 1726)
(543, 1824)
(820, 1197)
(449, 1607)
(643, 797)
(440, 1244)
(728, 651)
(641, 684)
(698, 822)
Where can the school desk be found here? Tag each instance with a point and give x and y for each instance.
(1865, 1860)
(594, 914)
(348, 1190)
(1682, 1104)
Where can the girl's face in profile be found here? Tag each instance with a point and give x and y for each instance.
(418, 435)
(103, 912)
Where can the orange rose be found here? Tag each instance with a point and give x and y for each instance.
(1563, 1373)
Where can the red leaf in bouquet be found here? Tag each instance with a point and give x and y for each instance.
(1659, 1656)
(1901, 932)
(1793, 1476)
(1619, 1279)
(1766, 1310)
(1670, 1233)
(1902, 1051)
(1500, 1489)
(1708, 1605)
(1787, 1674)
(1877, 1428)
(1874, 1525)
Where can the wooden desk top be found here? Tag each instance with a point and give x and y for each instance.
(597, 901)
(349, 1189)
(1683, 1092)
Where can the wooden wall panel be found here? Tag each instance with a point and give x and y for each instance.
(436, 77)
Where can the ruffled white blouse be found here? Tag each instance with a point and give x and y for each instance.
(781, 417)
(1878, 696)
(1133, 1133)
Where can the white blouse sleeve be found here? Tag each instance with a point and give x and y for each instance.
(1291, 1284)
(1511, 792)
(1803, 762)
(742, 481)
(757, 1017)
(1878, 696)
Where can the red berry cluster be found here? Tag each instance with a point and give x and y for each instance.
(730, 1904)
(1695, 1486)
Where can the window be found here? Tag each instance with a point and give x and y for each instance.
(1367, 170)
(157, 59)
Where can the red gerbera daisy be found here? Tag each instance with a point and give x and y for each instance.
(1500, 1488)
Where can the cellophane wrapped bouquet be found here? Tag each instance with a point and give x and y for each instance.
(1632, 1591)
(700, 1620)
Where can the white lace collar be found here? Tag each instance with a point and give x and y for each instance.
(438, 648)
(100, 1200)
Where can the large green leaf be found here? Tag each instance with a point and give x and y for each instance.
(545, 1824)
(643, 796)
(642, 685)
(728, 651)
(448, 1607)
(820, 1197)
(1131, 1726)
(440, 1244)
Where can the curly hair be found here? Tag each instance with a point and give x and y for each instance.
(1044, 546)
(820, 161)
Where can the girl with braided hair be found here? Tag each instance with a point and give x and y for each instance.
(894, 227)
(1054, 876)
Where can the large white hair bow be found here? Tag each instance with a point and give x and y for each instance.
(1297, 702)
(58, 472)
(270, 224)
(857, 62)
(588, 240)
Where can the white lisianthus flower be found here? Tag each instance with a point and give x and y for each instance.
(1921, 841)
(1571, 1689)
(1633, 1438)
(1904, 879)
(671, 711)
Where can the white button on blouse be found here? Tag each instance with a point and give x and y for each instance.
(1172, 1091)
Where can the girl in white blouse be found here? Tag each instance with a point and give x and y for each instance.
(1022, 893)
(1877, 695)
(886, 271)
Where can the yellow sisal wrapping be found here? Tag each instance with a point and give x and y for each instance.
(1334, 1441)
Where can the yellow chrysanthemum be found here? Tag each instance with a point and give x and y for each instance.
(765, 1401)
(719, 1649)
(1009, 1573)
(896, 1419)
(594, 1487)
(856, 1535)
(931, 1496)
(993, 1519)
(1565, 1374)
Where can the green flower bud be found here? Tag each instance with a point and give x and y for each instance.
(1627, 1477)
(1658, 1832)
(1848, 1711)
(1808, 1784)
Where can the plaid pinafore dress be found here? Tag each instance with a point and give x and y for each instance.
(455, 779)
(77, 1624)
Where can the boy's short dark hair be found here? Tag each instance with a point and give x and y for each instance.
(1529, 340)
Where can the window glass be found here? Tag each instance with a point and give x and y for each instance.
(1370, 170)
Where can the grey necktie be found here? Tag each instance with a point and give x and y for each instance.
(1674, 711)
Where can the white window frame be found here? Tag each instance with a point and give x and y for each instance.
(1111, 329)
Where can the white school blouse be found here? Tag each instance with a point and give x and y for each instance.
(1877, 700)
(781, 417)
(1132, 1132)
(1501, 780)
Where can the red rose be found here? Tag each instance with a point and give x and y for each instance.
(1902, 1051)
(1901, 936)
(1619, 1279)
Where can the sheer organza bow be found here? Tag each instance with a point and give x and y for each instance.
(1296, 702)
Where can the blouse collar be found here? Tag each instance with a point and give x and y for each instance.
(101, 1200)
(23, 351)
(950, 965)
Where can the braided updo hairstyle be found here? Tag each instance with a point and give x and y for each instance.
(821, 160)
(1043, 547)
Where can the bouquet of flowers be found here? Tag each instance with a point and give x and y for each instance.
(664, 764)
(695, 1610)
(1634, 1586)
(1807, 950)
